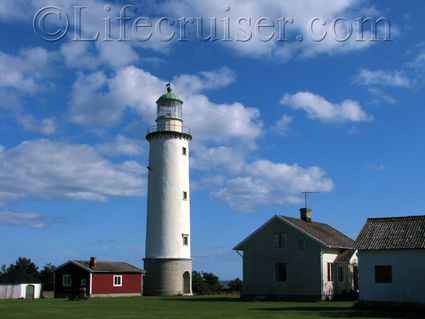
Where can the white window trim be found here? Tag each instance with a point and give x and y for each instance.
(68, 283)
(120, 284)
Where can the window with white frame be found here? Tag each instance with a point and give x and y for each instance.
(66, 281)
(184, 195)
(184, 150)
(280, 240)
(117, 280)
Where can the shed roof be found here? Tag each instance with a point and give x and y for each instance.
(323, 233)
(406, 232)
(105, 266)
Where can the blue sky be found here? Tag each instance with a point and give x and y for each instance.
(269, 119)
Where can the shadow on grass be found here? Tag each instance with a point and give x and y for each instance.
(207, 299)
(344, 312)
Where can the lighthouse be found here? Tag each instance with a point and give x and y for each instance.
(167, 261)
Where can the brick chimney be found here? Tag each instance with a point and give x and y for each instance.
(93, 262)
(305, 214)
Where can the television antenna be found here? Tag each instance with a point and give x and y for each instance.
(305, 196)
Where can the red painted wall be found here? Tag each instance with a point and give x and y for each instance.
(103, 284)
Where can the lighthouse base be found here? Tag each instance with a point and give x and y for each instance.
(167, 277)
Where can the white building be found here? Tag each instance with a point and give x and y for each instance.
(296, 258)
(20, 291)
(168, 262)
(391, 254)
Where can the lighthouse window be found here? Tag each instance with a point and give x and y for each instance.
(184, 151)
(185, 239)
(184, 195)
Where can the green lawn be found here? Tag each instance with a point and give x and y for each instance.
(184, 307)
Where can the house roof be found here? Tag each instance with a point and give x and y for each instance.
(344, 256)
(322, 233)
(105, 266)
(392, 233)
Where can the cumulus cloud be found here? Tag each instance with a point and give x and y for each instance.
(283, 125)
(380, 77)
(264, 183)
(99, 100)
(319, 108)
(258, 44)
(24, 219)
(121, 146)
(49, 169)
(24, 71)
(195, 83)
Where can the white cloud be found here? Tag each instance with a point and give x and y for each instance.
(231, 159)
(376, 167)
(266, 183)
(99, 100)
(121, 146)
(283, 125)
(85, 55)
(191, 83)
(380, 77)
(379, 96)
(24, 219)
(45, 126)
(301, 12)
(318, 108)
(48, 169)
(24, 71)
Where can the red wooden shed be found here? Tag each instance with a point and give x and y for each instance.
(98, 278)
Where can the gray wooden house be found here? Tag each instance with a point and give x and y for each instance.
(296, 258)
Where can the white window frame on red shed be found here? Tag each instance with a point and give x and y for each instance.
(117, 281)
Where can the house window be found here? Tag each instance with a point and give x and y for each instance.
(301, 245)
(184, 151)
(280, 272)
(340, 274)
(117, 280)
(330, 271)
(66, 281)
(185, 239)
(184, 195)
(383, 274)
(83, 282)
(279, 240)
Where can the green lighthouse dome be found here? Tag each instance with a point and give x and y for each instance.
(169, 96)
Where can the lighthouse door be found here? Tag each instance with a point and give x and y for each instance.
(186, 283)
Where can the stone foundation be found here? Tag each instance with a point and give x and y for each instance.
(165, 277)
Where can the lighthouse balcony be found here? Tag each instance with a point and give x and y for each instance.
(168, 127)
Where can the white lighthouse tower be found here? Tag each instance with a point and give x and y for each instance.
(168, 262)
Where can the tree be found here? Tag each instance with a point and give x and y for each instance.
(235, 285)
(47, 277)
(23, 271)
(212, 282)
(205, 283)
(198, 283)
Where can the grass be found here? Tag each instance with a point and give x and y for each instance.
(185, 307)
